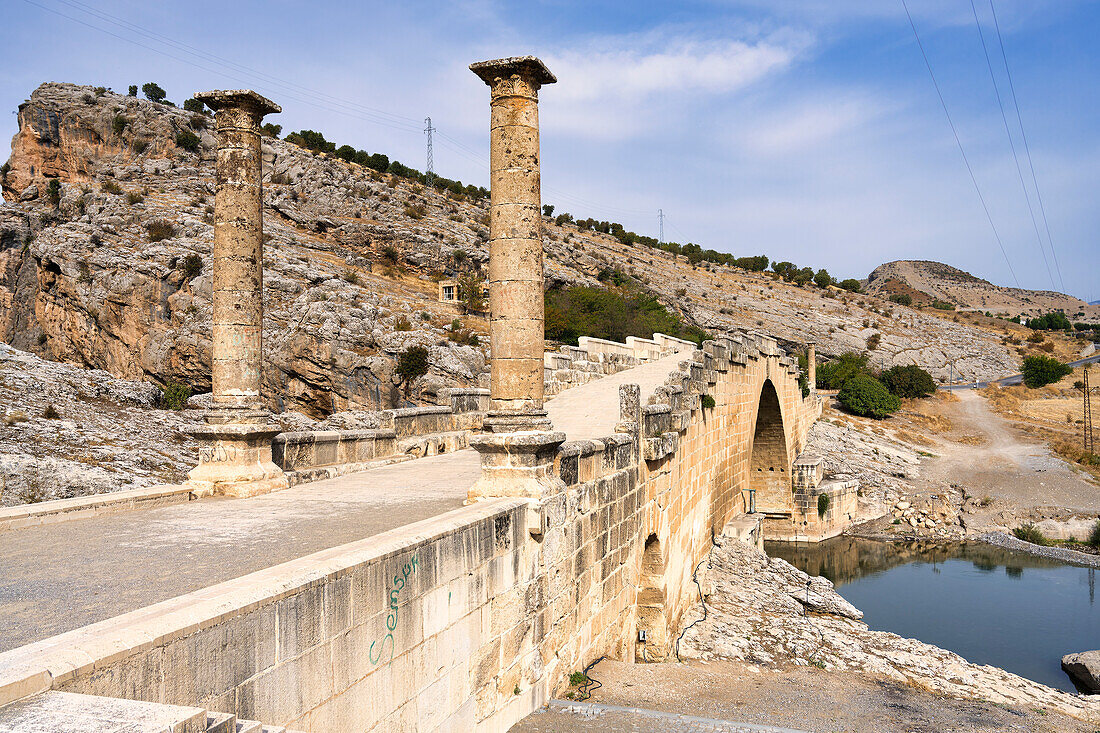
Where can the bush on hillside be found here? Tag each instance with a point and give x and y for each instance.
(851, 285)
(835, 373)
(194, 105)
(865, 396)
(943, 305)
(1039, 371)
(1094, 535)
(1050, 322)
(902, 299)
(174, 395)
(153, 92)
(1028, 532)
(908, 381)
(611, 314)
(823, 279)
(187, 140)
(412, 363)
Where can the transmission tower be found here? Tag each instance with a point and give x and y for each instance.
(430, 172)
(661, 226)
(1090, 445)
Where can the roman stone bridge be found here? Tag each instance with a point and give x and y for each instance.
(342, 590)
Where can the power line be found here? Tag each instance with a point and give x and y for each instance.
(958, 141)
(1011, 144)
(1027, 148)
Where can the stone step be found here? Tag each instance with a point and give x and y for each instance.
(221, 723)
(249, 726)
(67, 712)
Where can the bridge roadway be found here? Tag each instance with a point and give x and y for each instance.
(58, 577)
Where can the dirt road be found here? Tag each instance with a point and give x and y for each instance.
(1006, 464)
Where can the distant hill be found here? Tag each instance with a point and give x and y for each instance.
(925, 281)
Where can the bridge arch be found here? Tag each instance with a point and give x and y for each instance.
(769, 462)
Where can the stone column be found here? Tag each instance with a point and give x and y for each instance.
(517, 455)
(811, 366)
(515, 244)
(235, 458)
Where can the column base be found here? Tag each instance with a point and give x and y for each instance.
(235, 460)
(519, 464)
(517, 422)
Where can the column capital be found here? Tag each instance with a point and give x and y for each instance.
(241, 98)
(530, 68)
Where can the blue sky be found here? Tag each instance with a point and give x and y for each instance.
(807, 130)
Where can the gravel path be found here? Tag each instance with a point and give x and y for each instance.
(1000, 539)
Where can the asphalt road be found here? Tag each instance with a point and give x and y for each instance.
(1015, 378)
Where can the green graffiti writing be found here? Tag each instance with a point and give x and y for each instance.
(400, 580)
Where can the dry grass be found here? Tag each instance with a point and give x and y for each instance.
(927, 418)
(972, 440)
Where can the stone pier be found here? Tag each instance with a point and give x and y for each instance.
(517, 454)
(235, 458)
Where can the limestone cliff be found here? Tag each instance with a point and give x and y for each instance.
(350, 257)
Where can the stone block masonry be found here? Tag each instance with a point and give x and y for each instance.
(473, 619)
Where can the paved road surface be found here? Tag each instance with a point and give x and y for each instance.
(58, 577)
(1015, 378)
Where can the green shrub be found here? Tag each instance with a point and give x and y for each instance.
(707, 402)
(1050, 322)
(823, 279)
(134, 197)
(412, 363)
(132, 92)
(866, 396)
(1028, 532)
(187, 140)
(51, 413)
(194, 105)
(174, 395)
(471, 292)
(943, 305)
(1042, 370)
(834, 373)
(908, 381)
(1094, 535)
(610, 313)
(140, 146)
(902, 299)
(110, 186)
(822, 505)
(118, 124)
(53, 191)
(873, 341)
(576, 679)
(851, 285)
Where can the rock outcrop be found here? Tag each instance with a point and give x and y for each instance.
(1084, 669)
(757, 612)
(351, 256)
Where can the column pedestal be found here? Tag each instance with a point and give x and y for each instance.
(235, 455)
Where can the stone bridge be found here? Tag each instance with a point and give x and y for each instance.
(343, 591)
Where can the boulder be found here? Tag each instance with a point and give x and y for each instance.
(1084, 669)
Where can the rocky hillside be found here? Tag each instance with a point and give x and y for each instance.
(351, 259)
(926, 281)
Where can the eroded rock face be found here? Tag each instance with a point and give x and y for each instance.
(758, 612)
(348, 256)
(1084, 669)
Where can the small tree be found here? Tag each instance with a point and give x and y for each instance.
(132, 92)
(153, 92)
(174, 395)
(851, 285)
(471, 293)
(270, 129)
(823, 279)
(866, 396)
(1042, 370)
(908, 381)
(547, 209)
(194, 105)
(412, 363)
(833, 374)
(53, 191)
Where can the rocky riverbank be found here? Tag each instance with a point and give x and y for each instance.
(766, 612)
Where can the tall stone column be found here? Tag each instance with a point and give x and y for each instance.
(515, 243)
(235, 458)
(811, 366)
(518, 453)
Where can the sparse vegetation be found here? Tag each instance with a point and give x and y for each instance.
(943, 305)
(159, 230)
(706, 402)
(610, 313)
(134, 197)
(1028, 532)
(1093, 540)
(902, 299)
(53, 192)
(822, 505)
(51, 413)
(908, 382)
(192, 266)
(174, 395)
(471, 293)
(111, 186)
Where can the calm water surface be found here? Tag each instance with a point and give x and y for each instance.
(992, 606)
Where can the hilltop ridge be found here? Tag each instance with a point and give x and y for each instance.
(352, 256)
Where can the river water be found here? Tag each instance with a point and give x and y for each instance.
(992, 606)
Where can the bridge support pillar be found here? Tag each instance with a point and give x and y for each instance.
(235, 455)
